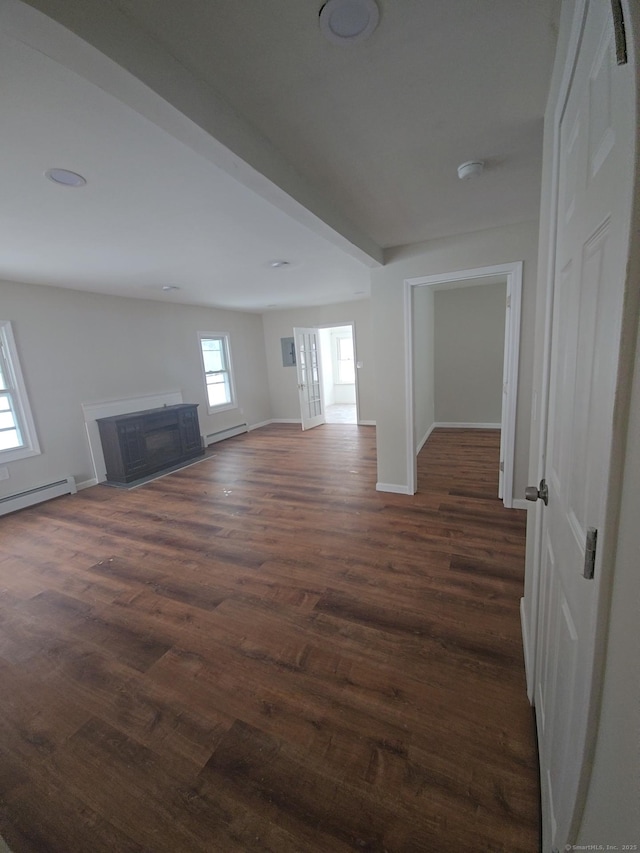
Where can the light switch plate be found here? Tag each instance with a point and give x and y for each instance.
(4, 473)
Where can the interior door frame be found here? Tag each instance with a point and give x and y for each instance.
(513, 275)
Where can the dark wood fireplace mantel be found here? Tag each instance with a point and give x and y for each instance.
(142, 443)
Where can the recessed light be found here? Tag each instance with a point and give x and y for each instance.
(65, 178)
(277, 264)
(168, 287)
(348, 21)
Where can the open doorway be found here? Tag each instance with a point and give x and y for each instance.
(337, 353)
(419, 293)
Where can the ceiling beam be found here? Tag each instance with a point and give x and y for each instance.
(114, 52)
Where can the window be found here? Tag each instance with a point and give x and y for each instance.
(17, 431)
(346, 371)
(216, 363)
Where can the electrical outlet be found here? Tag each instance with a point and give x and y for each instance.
(4, 473)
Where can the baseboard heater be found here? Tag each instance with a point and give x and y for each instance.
(213, 437)
(35, 496)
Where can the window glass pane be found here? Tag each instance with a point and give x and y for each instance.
(345, 348)
(5, 403)
(7, 420)
(346, 371)
(213, 355)
(218, 390)
(9, 440)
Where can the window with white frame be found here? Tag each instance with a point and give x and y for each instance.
(344, 353)
(216, 363)
(17, 430)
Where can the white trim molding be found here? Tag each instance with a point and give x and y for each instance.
(394, 488)
(425, 437)
(460, 425)
(525, 647)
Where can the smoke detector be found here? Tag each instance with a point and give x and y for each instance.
(470, 169)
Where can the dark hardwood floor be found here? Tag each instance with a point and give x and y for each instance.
(260, 652)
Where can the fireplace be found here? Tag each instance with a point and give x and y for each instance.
(142, 443)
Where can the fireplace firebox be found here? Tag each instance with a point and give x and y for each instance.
(142, 443)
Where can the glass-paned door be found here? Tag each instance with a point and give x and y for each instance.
(309, 377)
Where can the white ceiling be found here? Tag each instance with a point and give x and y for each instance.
(358, 146)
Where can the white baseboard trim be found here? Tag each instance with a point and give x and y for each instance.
(426, 436)
(394, 488)
(37, 494)
(259, 426)
(220, 435)
(527, 651)
(86, 484)
(366, 423)
(285, 421)
(460, 425)
(520, 503)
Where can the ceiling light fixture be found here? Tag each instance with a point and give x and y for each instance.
(348, 21)
(65, 178)
(168, 287)
(470, 169)
(278, 264)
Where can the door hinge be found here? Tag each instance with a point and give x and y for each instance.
(619, 32)
(590, 553)
(502, 467)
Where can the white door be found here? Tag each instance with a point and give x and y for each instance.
(594, 128)
(309, 377)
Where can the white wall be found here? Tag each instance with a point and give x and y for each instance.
(282, 380)
(423, 363)
(466, 251)
(469, 353)
(78, 348)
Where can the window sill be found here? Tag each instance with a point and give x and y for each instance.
(18, 453)
(223, 407)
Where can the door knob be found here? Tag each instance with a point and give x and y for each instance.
(532, 493)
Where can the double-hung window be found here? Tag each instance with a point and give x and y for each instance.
(17, 431)
(344, 352)
(216, 363)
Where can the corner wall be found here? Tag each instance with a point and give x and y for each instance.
(283, 383)
(77, 347)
